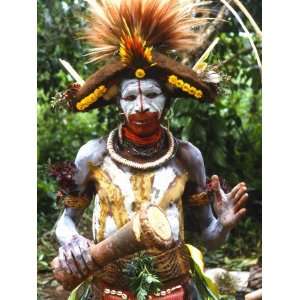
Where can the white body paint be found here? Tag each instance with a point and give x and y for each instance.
(121, 179)
(173, 217)
(163, 179)
(96, 214)
(110, 227)
(141, 95)
(88, 153)
(65, 229)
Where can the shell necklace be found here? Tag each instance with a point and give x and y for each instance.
(141, 166)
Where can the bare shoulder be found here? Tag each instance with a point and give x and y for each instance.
(192, 159)
(93, 152)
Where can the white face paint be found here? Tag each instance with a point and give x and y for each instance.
(141, 96)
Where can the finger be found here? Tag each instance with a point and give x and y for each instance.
(241, 203)
(215, 183)
(234, 190)
(240, 214)
(71, 263)
(62, 260)
(79, 261)
(86, 255)
(242, 190)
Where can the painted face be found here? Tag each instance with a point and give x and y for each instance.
(142, 102)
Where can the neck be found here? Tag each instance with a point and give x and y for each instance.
(130, 136)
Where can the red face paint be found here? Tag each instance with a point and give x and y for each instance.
(143, 125)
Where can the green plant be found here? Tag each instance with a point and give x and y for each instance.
(142, 279)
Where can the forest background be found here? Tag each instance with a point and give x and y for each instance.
(228, 132)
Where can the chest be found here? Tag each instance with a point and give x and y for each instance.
(121, 193)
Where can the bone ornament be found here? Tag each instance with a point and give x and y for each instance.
(149, 228)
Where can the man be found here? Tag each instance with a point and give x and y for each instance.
(141, 162)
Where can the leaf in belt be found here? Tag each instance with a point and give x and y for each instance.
(143, 281)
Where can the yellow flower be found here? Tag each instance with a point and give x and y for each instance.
(192, 90)
(140, 73)
(92, 98)
(180, 83)
(173, 79)
(98, 93)
(79, 106)
(199, 94)
(186, 87)
(102, 89)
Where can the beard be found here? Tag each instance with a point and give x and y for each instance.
(143, 124)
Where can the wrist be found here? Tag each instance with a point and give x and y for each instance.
(222, 226)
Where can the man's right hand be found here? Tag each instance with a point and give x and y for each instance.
(75, 257)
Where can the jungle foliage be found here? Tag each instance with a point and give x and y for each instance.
(228, 132)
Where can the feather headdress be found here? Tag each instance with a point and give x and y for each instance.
(132, 28)
(138, 35)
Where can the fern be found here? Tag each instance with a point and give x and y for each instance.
(141, 276)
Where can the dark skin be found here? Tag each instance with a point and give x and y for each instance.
(230, 208)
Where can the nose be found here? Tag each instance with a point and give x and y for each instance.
(140, 109)
(141, 105)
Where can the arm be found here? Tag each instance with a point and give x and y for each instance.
(66, 228)
(213, 231)
(74, 254)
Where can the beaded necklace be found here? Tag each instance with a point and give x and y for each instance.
(141, 166)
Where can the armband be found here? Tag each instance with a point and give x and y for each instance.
(76, 201)
(199, 199)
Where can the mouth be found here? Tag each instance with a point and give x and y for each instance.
(144, 122)
(143, 119)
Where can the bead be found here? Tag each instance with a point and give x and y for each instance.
(119, 293)
(124, 296)
(106, 291)
(163, 293)
(168, 291)
(113, 292)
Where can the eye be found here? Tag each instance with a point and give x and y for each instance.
(130, 98)
(151, 95)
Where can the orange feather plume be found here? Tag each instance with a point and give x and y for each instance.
(132, 28)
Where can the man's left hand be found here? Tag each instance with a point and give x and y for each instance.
(230, 207)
